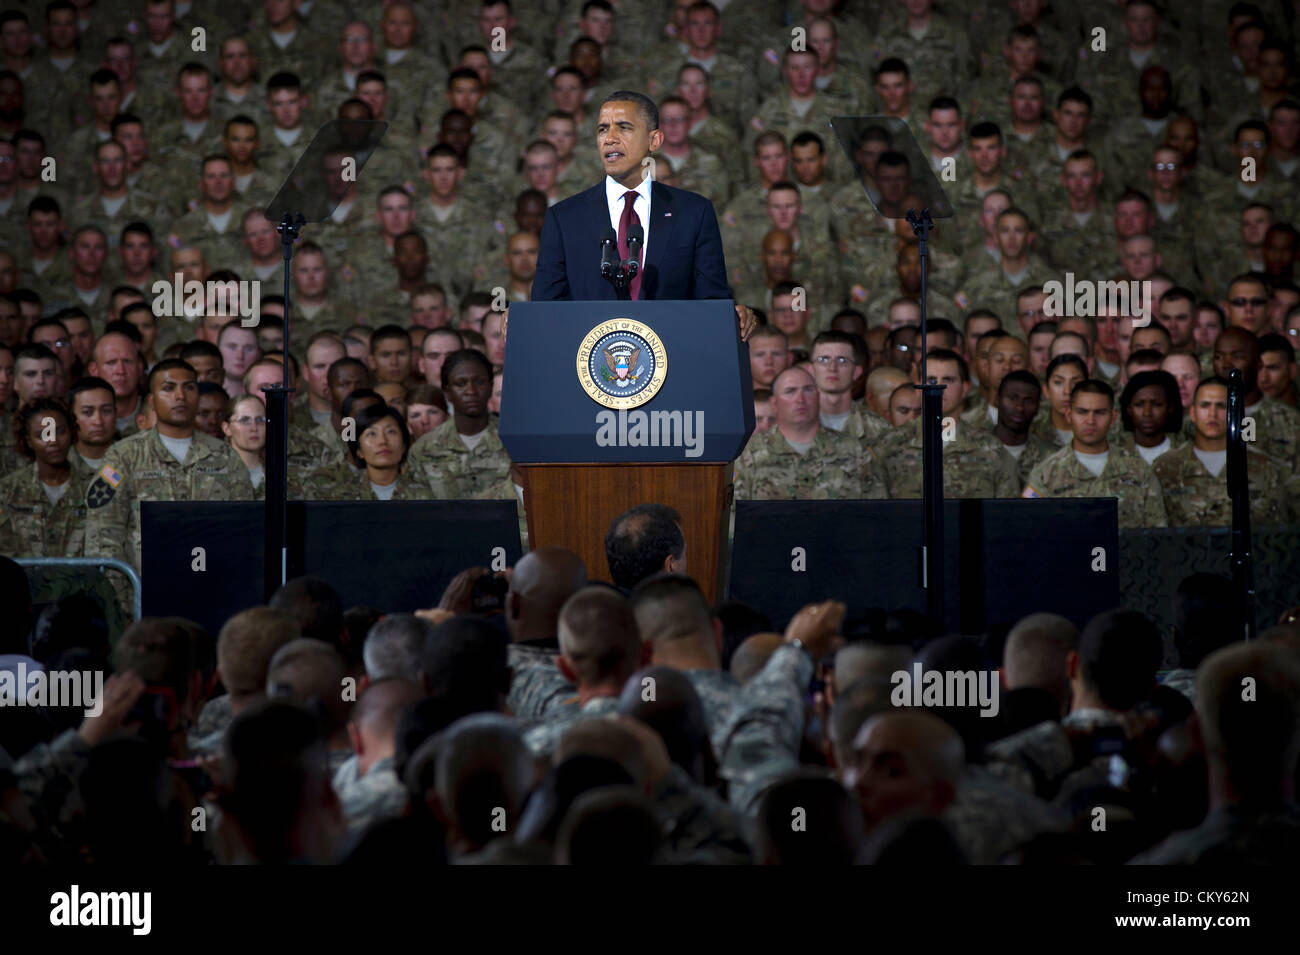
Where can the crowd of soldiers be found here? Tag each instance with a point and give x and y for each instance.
(1112, 144)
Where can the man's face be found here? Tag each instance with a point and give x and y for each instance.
(319, 358)
(395, 214)
(1140, 24)
(1281, 302)
(1026, 103)
(495, 17)
(1176, 316)
(764, 416)
(1081, 178)
(36, 378)
(1040, 353)
(61, 29)
(1187, 372)
(794, 399)
(436, 349)
(893, 180)
(421, 419)
(442, 174)
(904, 406)
(1005, 354)
(285, 106)
(702, 29)
(1013, 236)
(1183, 136)
(833, 367)
(561, 133)
(208, 369)
(904, 313)
(1017, 405)
(1209, 411)
(1247, 306)
(1276, 372)
(195, 93)
(44, 228)
(375, 95)
(240, 141)
(96, 416)
(310, 275)
(777, 256)
(887, 775)
(217, 182)
(88, 253)
(1029, 310)
(1155, 92)
(567, 92)
(346, 381)
(1279, 252)
(987, 154)
(1206, 329)
(530, 214)
(211, 414)
(1131, 218)
(260, 237)
(110, 168)
(1091, 416)
(1149, 338)
(1254, 226)
(809, 162)
(1022, 55)
(465, 94)
(788, 319)
(894, 89)
(903, 350)
(238, 350)
(494, 333)
(356, 47)
(1166, 170)
(599, 25)
(1284, 129)
(1139, 257)
(56, 340)
(800, 73)
(105, 101)
(13, 327)
(623, 139)
(994, 204)
(1233, 351)
(948, 374)
(429, 311)
(768, 357)
(675, 121)
(783, 208)
(1251, 144)
(1072, 120)
(236, 62)
(175, 398)
(521, 256)
(693, 86)
(392, 359)
(945, 129)
(29, 154)
(16, 39)
(469, 386)
(772, 161)
(472, 317)
(540, 169)
(411, 258)
(398, 25)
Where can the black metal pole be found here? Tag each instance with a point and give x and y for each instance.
(1243, 575)
(276, 552)
(931, 452)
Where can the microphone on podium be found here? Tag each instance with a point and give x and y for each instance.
(635, 236)
(608, 254)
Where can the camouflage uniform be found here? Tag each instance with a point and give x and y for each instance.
(940, 61)
(1126, 477)
(864, 425)
(1195, 498)
(1036, 449)
(994, 289)
(537, 687)
(704, 173)
(1070, 246)
(221, 250)
(344, 483)
(836, 467)
(699, 828)
(369, 798)
(778, 114)
(989, 818)
(1232, 835)
(32, 527)
(206, 735)
(140, 468)
(1277, 433)
(455, 473)
(718, 691)
(974, 464)
(543, 739)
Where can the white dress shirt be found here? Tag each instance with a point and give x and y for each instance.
(614, 198)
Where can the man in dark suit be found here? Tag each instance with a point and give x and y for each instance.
(681, 257)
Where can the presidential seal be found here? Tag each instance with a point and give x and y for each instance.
(622, 363)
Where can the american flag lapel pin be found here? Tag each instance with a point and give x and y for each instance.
(668, 215)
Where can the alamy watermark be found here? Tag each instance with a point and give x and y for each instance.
(651, 429)
(946, 688)
(82, 689)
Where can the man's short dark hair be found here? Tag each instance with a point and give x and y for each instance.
(1119, 653)
(644, 105)
(1020, 376)
(1092, 386)
(314, 605)
(167, 364)
(640, 540)
(200, 349)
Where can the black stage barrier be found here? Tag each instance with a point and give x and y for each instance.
(391, 555)
(1002, 558)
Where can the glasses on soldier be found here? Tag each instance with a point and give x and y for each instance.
(250, 419)
(1252, 144)
(1243, 302)
(1165, 166)
(840, 360)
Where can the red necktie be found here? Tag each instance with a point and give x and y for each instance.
(624, 224)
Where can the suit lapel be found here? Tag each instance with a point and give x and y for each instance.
(598, 217)
(661, 236)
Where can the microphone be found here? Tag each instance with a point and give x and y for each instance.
(635, 236)
(608, 254)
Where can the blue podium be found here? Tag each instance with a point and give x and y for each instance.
(606, 405)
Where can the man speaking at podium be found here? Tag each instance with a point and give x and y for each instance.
(673, 234)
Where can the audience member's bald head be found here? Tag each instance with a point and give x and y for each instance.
(542, 581)
(880, 386)
(1035, 655)
(600, 645)
(904, 762)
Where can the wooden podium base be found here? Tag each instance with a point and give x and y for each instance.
(572, 506)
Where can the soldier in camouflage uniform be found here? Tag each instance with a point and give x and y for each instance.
(974, 462)
(31, 523)
(1195, 495)
(1124, 474)
(1276, 425)
(143, 468)
(798, 106)
(822, 464)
